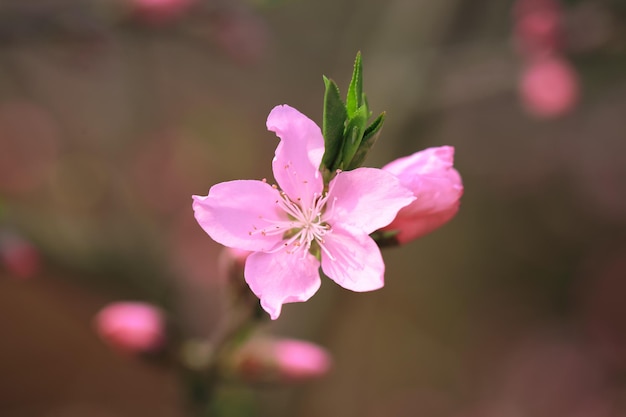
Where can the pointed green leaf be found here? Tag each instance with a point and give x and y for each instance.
(333, 124)
(367, 106)
(354, 100)
(353, 135)
(370, 136)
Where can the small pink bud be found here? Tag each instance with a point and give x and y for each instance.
(235, 255)
(286, 360)
(300, 360)
(549, 87)
(431, 177)
(19, 256)
(160, 11)
(241, 36)
(230, 269)
(539, 33)
(131, 327)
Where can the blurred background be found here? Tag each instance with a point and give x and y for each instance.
(114, 112)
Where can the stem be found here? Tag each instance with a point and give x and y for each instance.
(201, 359)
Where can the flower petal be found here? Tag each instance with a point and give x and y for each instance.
(298, 155)
(415, 226)
(431, 177)
(356, 263)
(281, 277)
(366, 199)
(237, 214)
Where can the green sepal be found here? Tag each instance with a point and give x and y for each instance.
(354, 100)
(333, 125)
(385, 238)
(370, 136)
(353, 135)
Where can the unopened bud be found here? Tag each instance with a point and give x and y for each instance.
(231, 265)
(131, 327)
(280, 360)
(437, 186)
(19, 257)
(160, 11)
(549, 87)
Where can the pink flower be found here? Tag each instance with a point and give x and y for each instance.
(437, 187)
(300, 360)
(160, 11)
(549, 87)
(294, 231)
(131, 327)
(539, 33)
(269, 359)
(19, 256)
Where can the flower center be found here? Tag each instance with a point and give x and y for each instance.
(305, 228)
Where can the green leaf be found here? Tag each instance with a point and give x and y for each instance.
(354, 100)
(370, 136)
(333, 124)
(353, 135)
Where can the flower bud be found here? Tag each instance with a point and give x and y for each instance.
(539, 33)
(429, 174)
(280, 360)
(549, 87)
(19, 256)
(231, 263)
(160, 11)
(131, 327)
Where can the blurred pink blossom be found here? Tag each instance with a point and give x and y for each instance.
(437, 186)
(539, 33)
(549, 87)
(160, 11)
(291, 232)
(287, 360)
(242, 36)
(231, 263)
(523, 8)
(19, 256)
(131, 327)
(298, 359)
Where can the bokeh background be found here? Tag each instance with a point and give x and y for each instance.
(113, 113)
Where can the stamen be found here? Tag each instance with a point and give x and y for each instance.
(301, 226)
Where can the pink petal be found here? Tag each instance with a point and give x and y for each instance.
(413, 227)
(236, 214)
(428, 161)
(281, 277)
(298, 155)
(356, 262)
(429, 174)
(366, 199)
